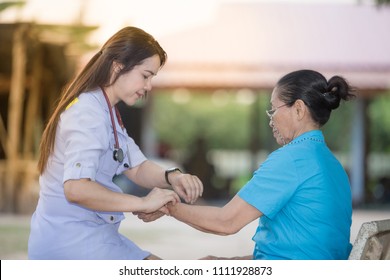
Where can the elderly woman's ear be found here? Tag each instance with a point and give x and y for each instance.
(300, 109)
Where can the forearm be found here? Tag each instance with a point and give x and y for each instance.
(148, 175)
(92, 195)
(227, 220)
(208, 219)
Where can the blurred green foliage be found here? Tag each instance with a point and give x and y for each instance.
(227, 125)
(382, 2)
(9, 4)
(224, 125)
(379, 112)
(337, 131)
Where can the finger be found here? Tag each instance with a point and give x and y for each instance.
(194, 189)
(147, 219)
(155, 215)
(183, 187)
(174, 198)
(160, 213)
(152, 216)
(199, 187)
(180, 192)
(188, 188)
(164, 210)
(194, 192)
(141, 215)
(170, 196)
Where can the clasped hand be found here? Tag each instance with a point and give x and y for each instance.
(187, 186)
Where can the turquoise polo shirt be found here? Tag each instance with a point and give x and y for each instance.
(304, 194)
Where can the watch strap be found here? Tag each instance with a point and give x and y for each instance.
(170, 170)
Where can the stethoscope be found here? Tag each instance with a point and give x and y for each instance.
(118, 152)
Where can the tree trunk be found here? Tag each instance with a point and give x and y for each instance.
(15, 112)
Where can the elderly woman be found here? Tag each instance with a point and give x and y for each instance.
(301, 193)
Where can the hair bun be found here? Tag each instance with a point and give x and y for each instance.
(337, 89)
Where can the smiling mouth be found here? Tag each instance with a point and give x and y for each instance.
(140, 94)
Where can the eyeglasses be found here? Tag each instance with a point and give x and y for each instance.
(270, 113)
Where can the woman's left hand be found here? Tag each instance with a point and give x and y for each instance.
(187, 186)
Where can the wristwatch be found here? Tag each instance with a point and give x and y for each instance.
(170, 170)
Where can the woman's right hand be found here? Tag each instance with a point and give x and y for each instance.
(157, 198)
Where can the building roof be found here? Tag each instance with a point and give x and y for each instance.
(252, 45)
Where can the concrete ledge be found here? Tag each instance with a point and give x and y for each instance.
(372, 241)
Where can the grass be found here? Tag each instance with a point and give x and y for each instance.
(13, 241)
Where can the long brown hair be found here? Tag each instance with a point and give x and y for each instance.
(128, 47)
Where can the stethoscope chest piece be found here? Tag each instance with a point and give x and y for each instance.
(118, 155)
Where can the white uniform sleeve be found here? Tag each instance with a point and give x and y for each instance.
(85, 132)
(134, 154)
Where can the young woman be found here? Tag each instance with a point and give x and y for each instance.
(85, 144)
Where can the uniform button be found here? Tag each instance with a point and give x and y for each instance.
(111, 218)
(126, 165)
(78, 164)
